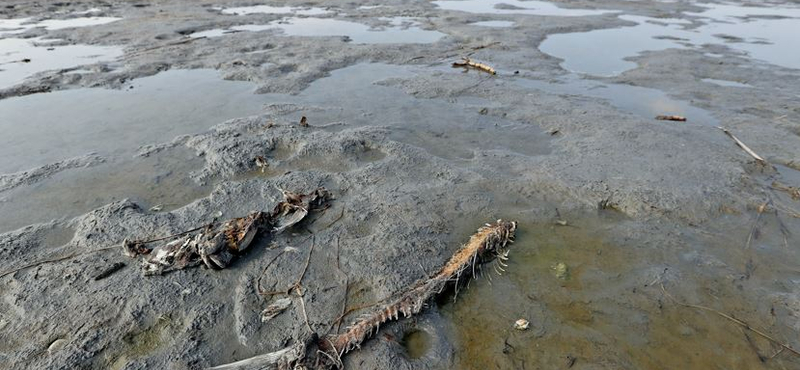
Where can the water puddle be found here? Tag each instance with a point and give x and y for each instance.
(515, 7)
(280, 163)
(590, 301)
(46, 128)
(20, 25)
(159, 179)
(266, 9)
(56, 237)
(641, 101)
(21, 58)
(217, 32)
(501, 24)
(452, 130)
(765, 34)
(416, 343)
(725, 83)
(400, 30)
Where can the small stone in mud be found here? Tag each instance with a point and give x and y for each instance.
(561, 270)
(522, 324)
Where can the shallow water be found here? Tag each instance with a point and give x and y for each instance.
(501, 24)
(267, 9)
(161, 179)
(449, 129)
(725, 83)
(20, 25)
(641, 101)
(515, 7)
(749, 30)
(609, 309)
(45, 55)
(401, 30)
(148, 110)
(357, 32)
(114, 124)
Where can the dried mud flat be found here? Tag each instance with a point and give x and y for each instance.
(612, 204)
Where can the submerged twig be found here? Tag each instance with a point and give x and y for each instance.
(761, 209)
(731, 319)
(794, 192)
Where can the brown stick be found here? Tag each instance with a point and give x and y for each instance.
(671, 118)
(466, 62)
(732, 319)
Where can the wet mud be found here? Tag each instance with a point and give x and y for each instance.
(141, 119)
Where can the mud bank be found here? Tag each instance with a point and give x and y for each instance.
(612, 203)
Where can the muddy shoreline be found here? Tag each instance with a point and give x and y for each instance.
(147, 130)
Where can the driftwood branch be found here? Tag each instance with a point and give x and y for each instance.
(468, 63)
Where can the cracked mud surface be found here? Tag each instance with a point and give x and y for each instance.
(417, 155)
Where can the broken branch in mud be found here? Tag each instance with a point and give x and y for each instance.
(109, 271)
(217, 245)
(468, 63)
(491, 242)
(671, 118)
(747, 149)
(731, 319)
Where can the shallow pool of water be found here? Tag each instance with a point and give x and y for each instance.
(641, 101)
(452, 129)
(749, 30)
(609, 309)
(357, 32)
(515, 7)
(46, 128)
(20, 25)
(725, 83)
(501, 24)
(267, 9)
(400, 30)
(21, 58)
(162, 179)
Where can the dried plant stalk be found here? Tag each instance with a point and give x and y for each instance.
(744, 147)
(466, 62)
(491, 242)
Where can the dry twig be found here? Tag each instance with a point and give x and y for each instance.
(744, 147)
